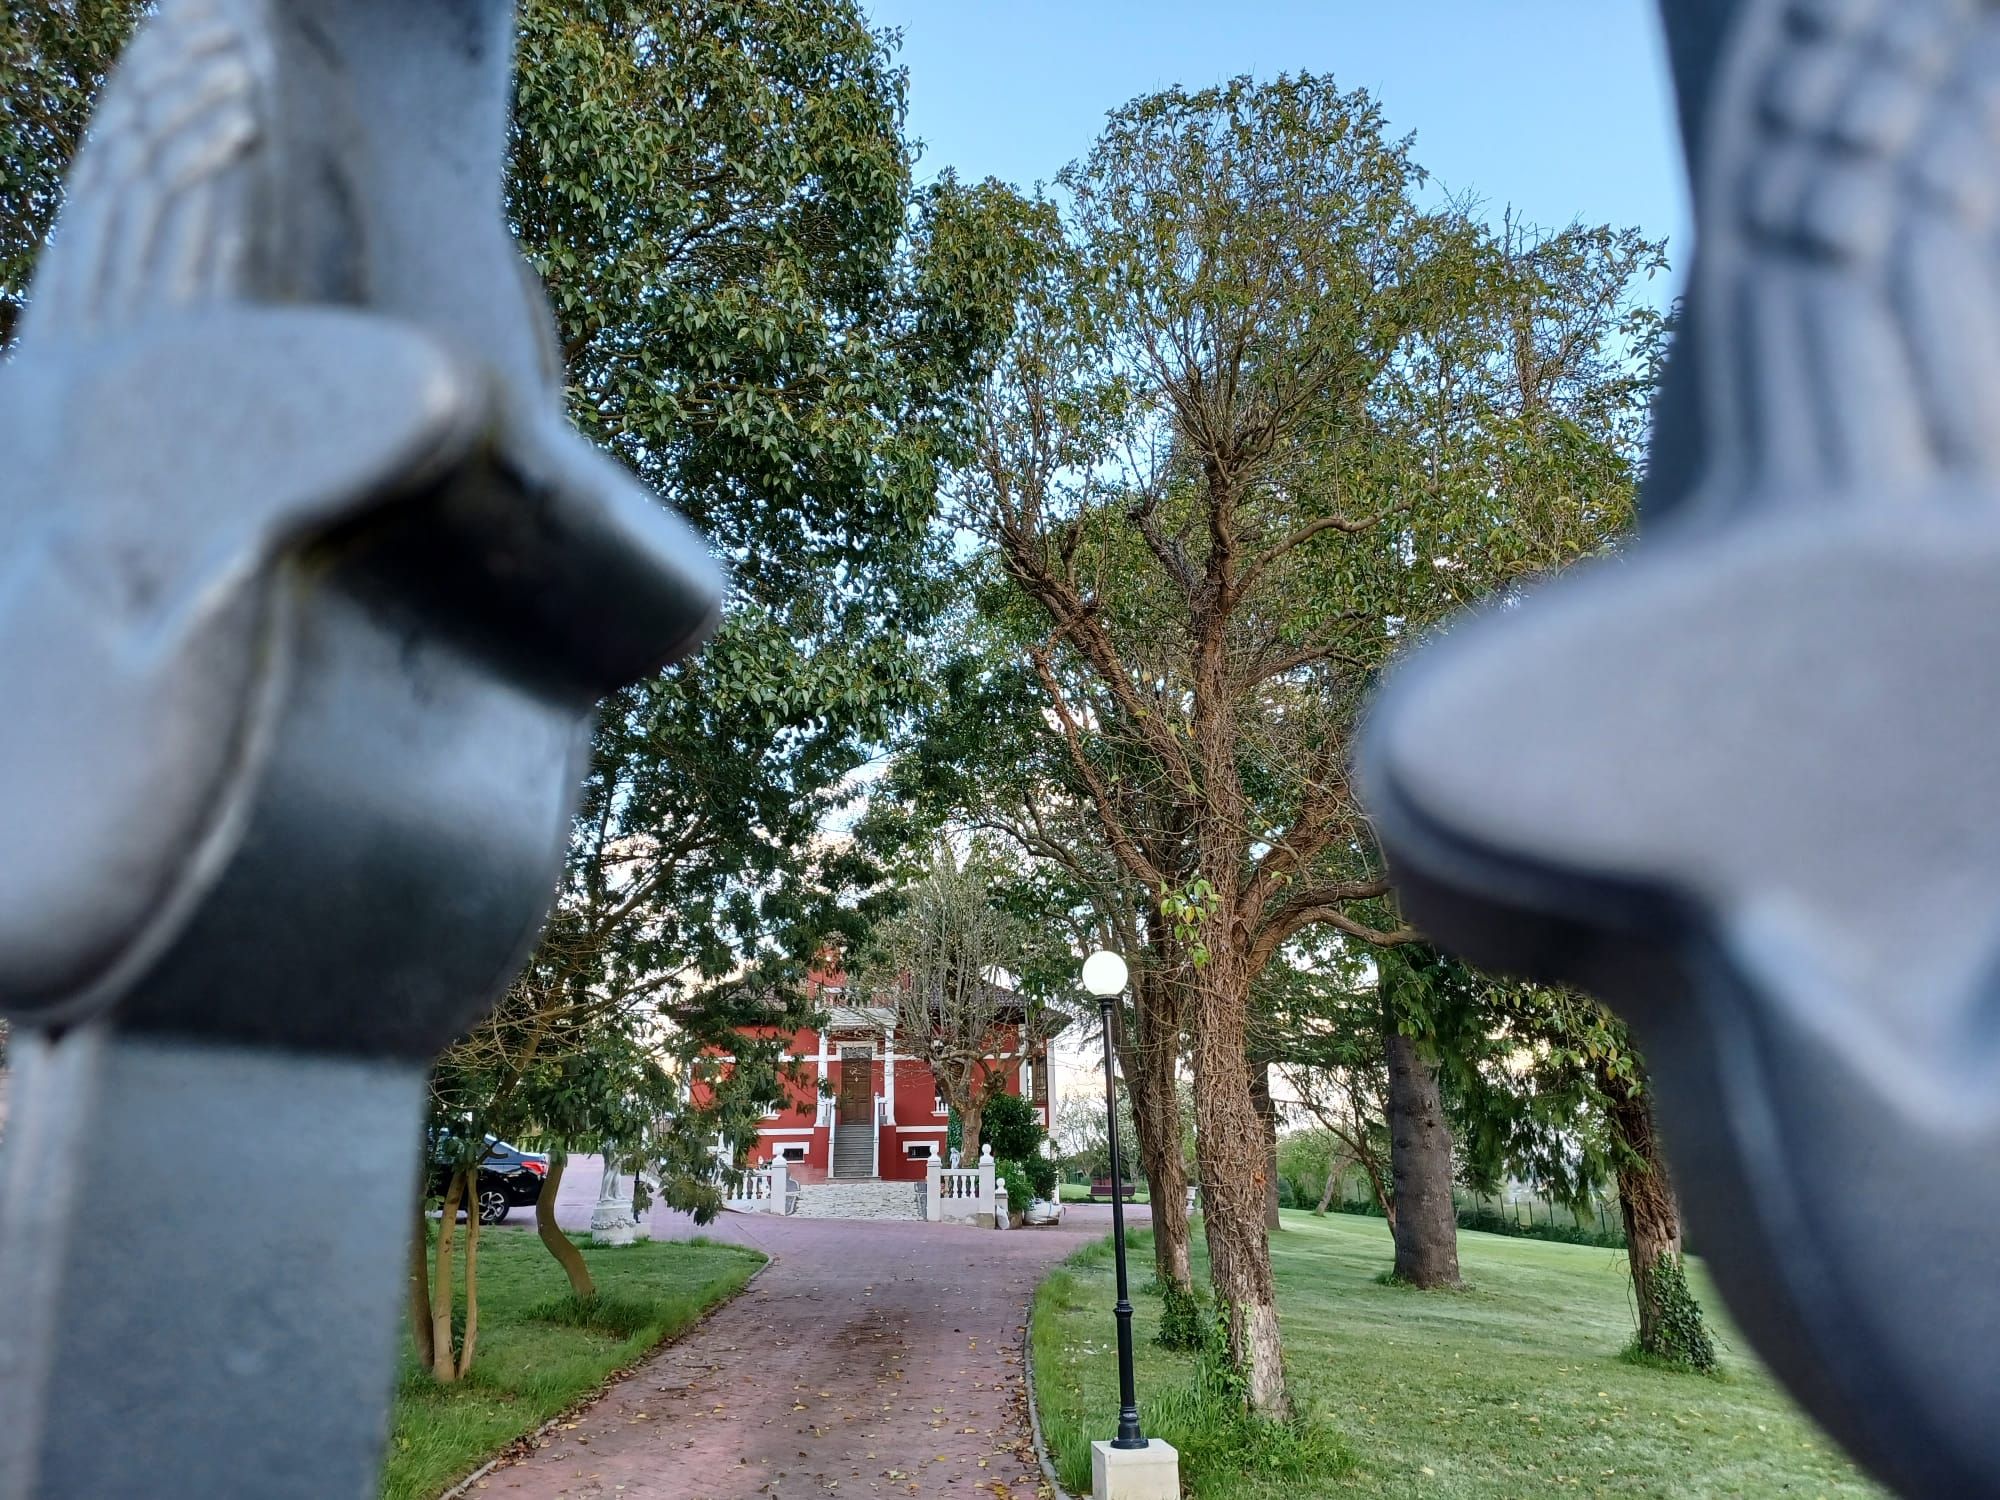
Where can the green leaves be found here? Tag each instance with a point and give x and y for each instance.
(53, 57)
(1187, 912)
(720, 197)
(1265, 413)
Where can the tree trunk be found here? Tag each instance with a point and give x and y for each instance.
(1148, 1061)
(558, 1244)
(969, 1119)
(1334, 1172)
(471, 1339)
(420, 1287)
(1230, 1148)
(1646, 1202)
(1267, 1115)
(1426, 1223)
(444, 1365)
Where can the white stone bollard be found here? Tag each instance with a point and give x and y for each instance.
(933, 1189)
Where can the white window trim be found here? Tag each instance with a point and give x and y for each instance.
(922, 1129)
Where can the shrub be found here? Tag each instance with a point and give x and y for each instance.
(1288, 1196)
(1012, 1128)
(1019, 1187)
(1041, 1176)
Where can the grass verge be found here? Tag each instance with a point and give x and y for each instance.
(541, 1351)
(1516, 1386)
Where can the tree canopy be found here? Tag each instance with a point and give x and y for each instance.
(1268, 410)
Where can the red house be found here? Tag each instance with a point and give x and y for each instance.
(863, 1106)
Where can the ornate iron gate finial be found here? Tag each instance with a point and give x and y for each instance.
(307, 590)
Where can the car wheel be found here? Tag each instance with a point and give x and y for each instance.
(493, 1205)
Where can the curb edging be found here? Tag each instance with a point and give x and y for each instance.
(1034, 1406)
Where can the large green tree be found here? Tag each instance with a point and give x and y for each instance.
(762, 315)
(1266, 413)
(768, 322)
(1572, 1108)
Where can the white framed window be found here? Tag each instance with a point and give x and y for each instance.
(919, 1150)
(791, 1153)
(939, 1106)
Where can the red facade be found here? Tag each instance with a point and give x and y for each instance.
(845, 1117)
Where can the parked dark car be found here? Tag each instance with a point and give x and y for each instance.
(509, 1178)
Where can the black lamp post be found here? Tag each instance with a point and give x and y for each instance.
(1104, 977)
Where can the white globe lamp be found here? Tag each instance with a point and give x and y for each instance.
(1104, 974)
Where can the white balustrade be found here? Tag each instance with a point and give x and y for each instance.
(756, 1190)
(959, 1195)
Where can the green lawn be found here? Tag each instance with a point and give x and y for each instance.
(1514, 1387)
(538, 1353)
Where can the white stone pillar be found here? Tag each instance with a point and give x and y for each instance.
(822, 1105)
(889, 1071)
(780, 1187)
(985, 1185)
(934, 1188)
(611, 1222)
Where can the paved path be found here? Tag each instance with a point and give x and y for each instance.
(869, 1358)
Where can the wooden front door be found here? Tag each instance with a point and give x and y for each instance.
(857, 1086)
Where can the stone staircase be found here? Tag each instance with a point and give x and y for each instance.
(869, 1199)
(854, 1152)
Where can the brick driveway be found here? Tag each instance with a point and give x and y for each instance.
(869, 1358)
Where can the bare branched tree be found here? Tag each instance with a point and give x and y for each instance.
(947, 964)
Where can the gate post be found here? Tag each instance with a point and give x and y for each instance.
(986, 1180)
(308, 591)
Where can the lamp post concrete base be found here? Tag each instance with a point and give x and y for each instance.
(1149, 1473)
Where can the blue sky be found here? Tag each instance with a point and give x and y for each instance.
(1557, 107)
